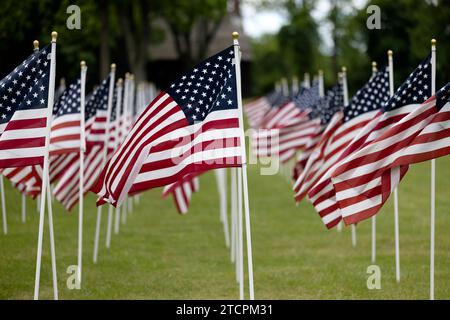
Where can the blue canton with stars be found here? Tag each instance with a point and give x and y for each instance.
(209, 87)
(308, 97)
(98, 99)
(372, 96)
(26, 87)
(443, 96)
(327, 106)
(416, 89)
(69, 101)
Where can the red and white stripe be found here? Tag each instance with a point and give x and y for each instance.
(323, 156)
(66, 190)
(182, 192)
(162, 148)
(65, 134)
(22, 140)
(364, 182)
(322, 194)
(256, 110)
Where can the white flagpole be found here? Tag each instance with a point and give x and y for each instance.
(51, 95)
(321, 84)
(105, 154)
(240, 236)
(244, 165)
(341, 223)
(24, 208)
(345, 91)
(374, 221)
(396, 220)
(433, 178)
(110, 208)
(5, 223)
(233, 215)
(306, 80)
(294, 86)
(221, 188)
(52, 242)
(126, 101)
(81, 179)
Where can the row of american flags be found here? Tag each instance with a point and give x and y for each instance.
(351, 154)
(118, 140)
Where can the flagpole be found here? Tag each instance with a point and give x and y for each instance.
(221, 188)
(126, 102)
(5, 222)
(116, 142)
(321, 84)
(51, 95)
(346, 98)
(24, 208)
(83, 68)
(244, 165)
(433, 178)
(240, 236)
(306, 80)
(52, 241)
(233, 216)
(374, 221)
(340, 81)
(396, 220)
(122, 116)
(105, 154)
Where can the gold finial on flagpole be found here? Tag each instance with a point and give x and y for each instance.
(113, 66)
(235, 35)
(374, 64)
(120, 81)
(390, 53)
(36, 45)
(127, 76)
(54, 36)
(433, 42)
(83, 64)
(344, 70)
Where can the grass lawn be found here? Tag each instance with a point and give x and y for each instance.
(162, 255)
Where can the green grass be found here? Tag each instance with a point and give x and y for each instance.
(162, 255)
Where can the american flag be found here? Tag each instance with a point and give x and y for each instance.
(285, 128)
(193, 126)
(65, 131)
(182, 192)
(331, 116)
(362, 108)
(297, 134)
(359, 193)
(66, 190)
(256, 110)
(319, 116)
(23, 104)
(27, 180)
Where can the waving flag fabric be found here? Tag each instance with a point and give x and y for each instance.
(23, 104)
(362, 108)
(192, 126)
(65, 131)
(66, 190)
(256, 110)
(361, 193)
(331, 116)
(182, 192)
